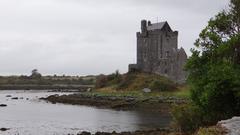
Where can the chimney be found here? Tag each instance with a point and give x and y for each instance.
(149, 23)
(144, 26)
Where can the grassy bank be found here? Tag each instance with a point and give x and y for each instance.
(214, 130)
(180, 92)
(119, 101)
(135, 81)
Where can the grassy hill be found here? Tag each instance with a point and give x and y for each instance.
(133, 83)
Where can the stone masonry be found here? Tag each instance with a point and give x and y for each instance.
(157, 51)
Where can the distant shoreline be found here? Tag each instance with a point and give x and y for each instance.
(155, 104)
(45, 87)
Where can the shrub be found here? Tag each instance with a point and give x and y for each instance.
(127, 79)
(187, 118)
(101, 81)
(161, 85)
(108, 80)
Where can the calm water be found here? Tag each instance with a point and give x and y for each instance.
(35, 117)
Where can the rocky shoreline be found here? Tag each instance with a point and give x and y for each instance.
(146, 132)
(160, 104)
(45, 87)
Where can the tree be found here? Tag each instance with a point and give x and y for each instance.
(214, 67)
(35, 74)
(213, 73)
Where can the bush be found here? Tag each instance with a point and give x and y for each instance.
(108, 80)
(187, 118)
(216, 91)
(160, 85)
(101, 81)
(127, 79)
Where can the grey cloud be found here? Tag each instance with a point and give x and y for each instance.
(89, 37)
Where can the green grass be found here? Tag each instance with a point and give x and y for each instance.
(211, 131)
(182, 92)
(135, 81)
(138, 81)
(131, 84)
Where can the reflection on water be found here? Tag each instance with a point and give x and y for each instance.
(30, 116)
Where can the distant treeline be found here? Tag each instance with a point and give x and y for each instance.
(46, 80)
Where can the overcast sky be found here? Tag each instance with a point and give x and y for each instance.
(81, 37)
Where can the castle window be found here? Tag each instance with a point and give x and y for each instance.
(167, 54)
(167, 35)
(145, 40)
(168, 40)
(166, 71)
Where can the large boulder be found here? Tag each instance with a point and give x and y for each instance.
(232, 125)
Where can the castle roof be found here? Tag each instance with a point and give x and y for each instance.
(158, 26)
(181, 51)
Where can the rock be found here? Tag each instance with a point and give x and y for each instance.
(85, 133)
(232, 125)
(130, 99)
(15, 98)
(147, 90)
(4, 129)
(102, 133)
(56, 95)
(89, 90)
(3, 105)
(9, 96)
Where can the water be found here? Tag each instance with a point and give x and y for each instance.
(36, 117)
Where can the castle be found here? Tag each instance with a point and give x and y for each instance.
(157, 51)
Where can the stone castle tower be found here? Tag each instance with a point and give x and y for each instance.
(157, 51)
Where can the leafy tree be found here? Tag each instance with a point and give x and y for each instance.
(214, 67)
(35, 74)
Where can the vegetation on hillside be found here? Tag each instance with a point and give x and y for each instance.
(214, 72)
(135, 81)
